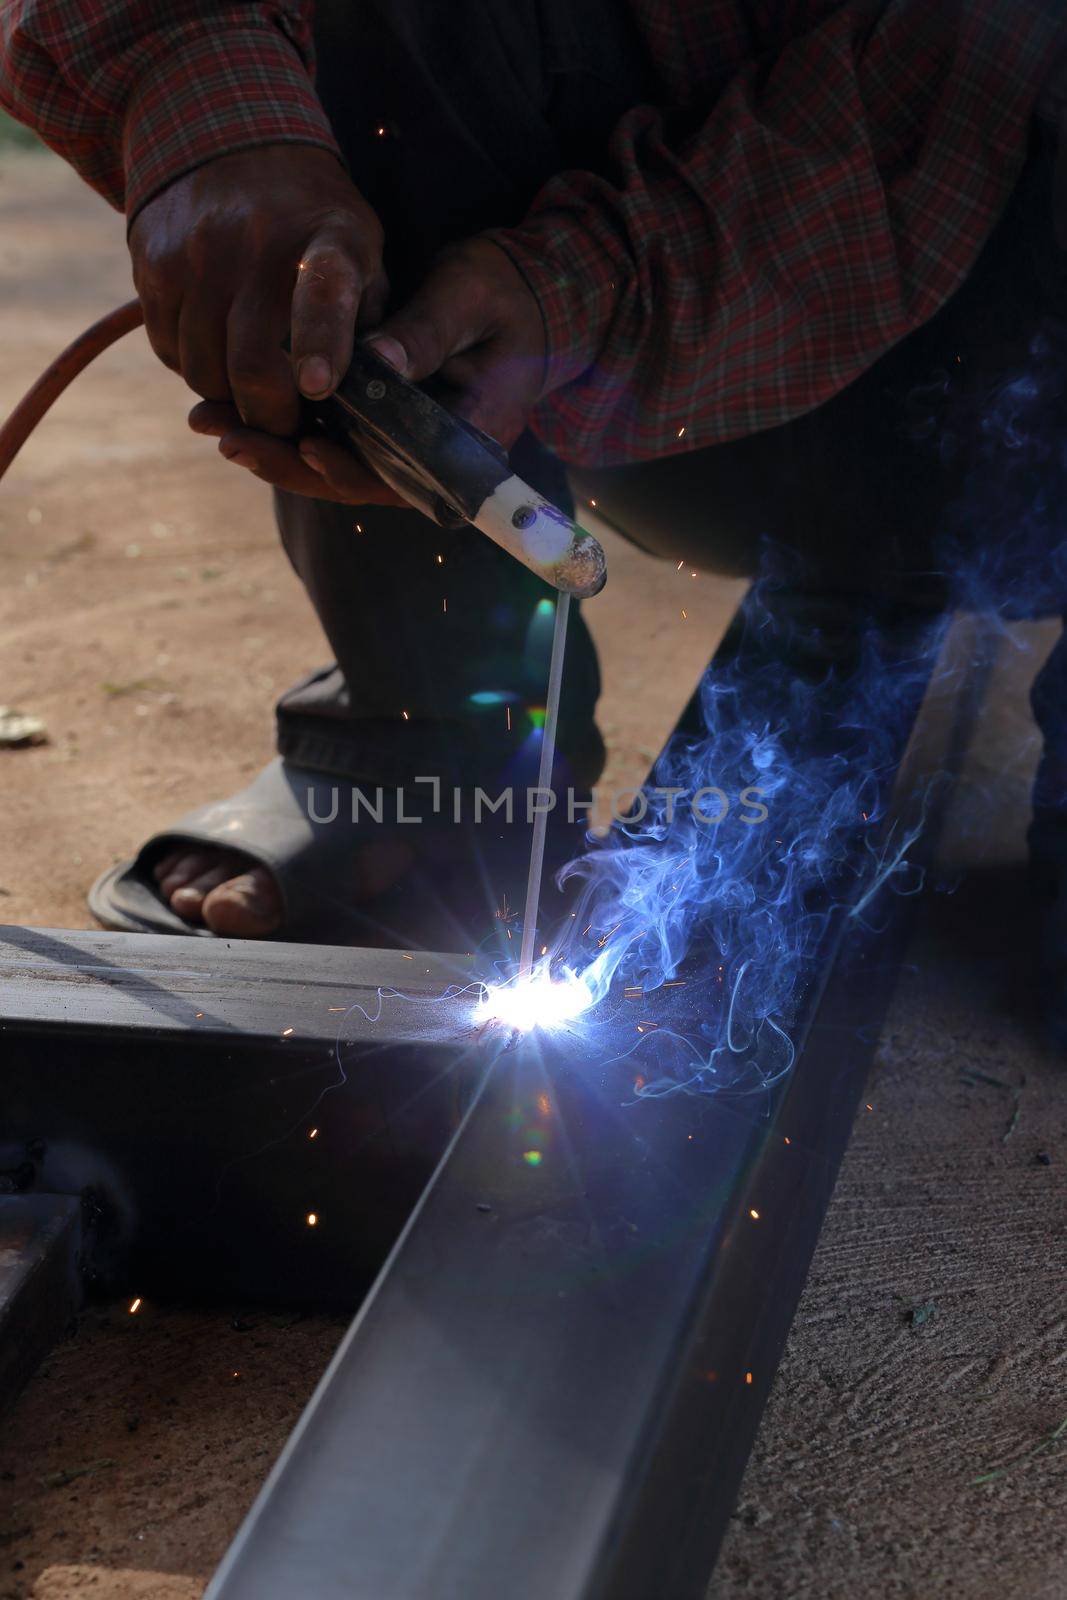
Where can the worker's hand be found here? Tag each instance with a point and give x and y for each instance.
(474, 321)
(247, 249)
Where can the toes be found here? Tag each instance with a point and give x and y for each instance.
(166, 864)
(188, 899)
(182, 867)
(245, 907)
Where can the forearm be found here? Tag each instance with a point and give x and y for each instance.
(134, 93)
(834, 198)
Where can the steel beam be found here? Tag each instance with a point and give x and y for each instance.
(173, 1084)
(40, 1237)
(554, 1384)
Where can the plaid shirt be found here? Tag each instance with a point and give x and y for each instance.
(820, 179)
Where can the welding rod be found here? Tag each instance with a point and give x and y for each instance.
(544, 781)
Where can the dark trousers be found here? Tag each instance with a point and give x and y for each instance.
(891, 496)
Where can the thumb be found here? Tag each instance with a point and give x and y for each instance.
(438, 322)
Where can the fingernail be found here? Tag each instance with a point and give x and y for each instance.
(315, 376)
(241, 460)
(390, 350)
(311, 460)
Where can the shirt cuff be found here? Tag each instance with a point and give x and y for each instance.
(215, 93)
(575, 282)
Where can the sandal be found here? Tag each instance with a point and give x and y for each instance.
(463, 881)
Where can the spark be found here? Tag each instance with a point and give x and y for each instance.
(359, 527)
(199, 1016)
(135, 1306)
(679, 567)
(870, 1107)
(748, 1377)
(440, 561)
(313, 1133)
(684, 617)
(509, 718)
(544, 1105)
(787, 1140)
(753, 1213)
(287, 1033)
(593, 504)
(312, 1219)
(405, 716)
(681, 432)
(444, 605)
(381, 133)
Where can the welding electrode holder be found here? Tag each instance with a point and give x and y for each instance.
(434, 459)
(454, 473)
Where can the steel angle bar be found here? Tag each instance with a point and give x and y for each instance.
(553, 1387)
(207, 1098)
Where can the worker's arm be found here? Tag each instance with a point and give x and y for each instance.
(200, 118)
(722, 282)
(717, 284)
(134, 93)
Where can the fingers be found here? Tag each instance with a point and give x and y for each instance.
(345, 478)
(476, 322)
(324, 310)
(446, 316)
(159, 295)
(314, 467)
(202, 348)
(260, 372)
(162, 314)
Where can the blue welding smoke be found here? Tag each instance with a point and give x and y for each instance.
(757, 831)
(800, 727)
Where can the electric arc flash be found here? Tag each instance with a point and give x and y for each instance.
(539, 1001)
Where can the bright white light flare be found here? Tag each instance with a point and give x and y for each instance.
(539, 1001)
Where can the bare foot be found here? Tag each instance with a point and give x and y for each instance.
(220, 890)
(229, 894)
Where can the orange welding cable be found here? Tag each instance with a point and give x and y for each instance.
(64, 369)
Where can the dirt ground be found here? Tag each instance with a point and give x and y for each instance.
(149, 617)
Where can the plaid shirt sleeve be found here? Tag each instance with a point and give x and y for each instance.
(134, 93)
(832, 198)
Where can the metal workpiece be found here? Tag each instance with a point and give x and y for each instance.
(40, 1286)
(553, 1387)
(206, 1097)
